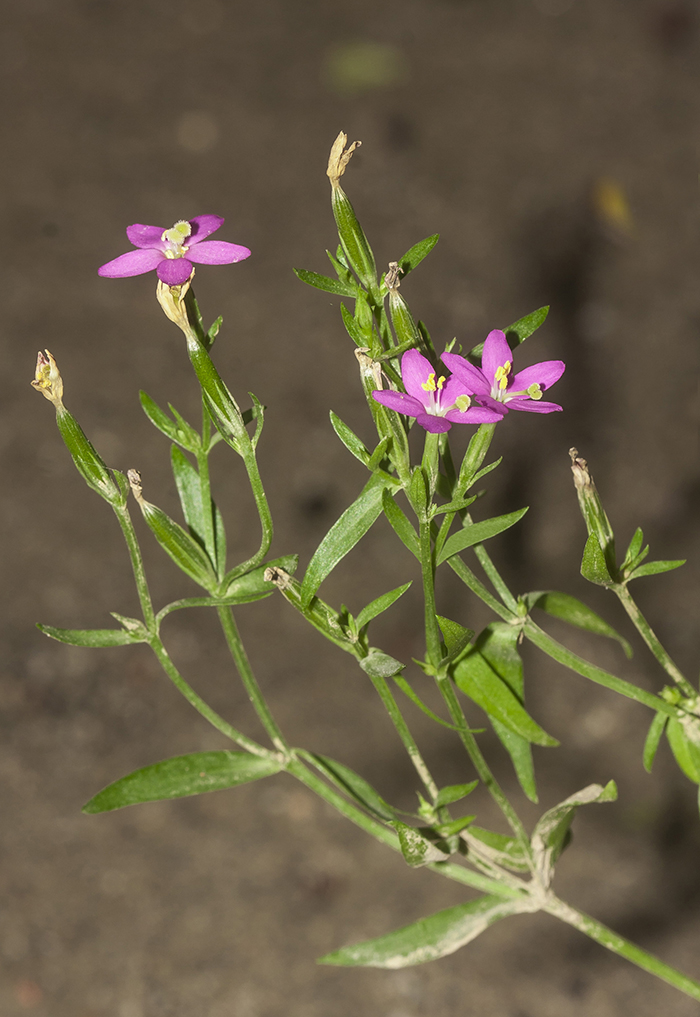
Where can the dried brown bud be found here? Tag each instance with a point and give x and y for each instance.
(47, 379)
(393, 276)
(339, 158)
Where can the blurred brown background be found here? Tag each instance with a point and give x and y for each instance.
(528, 133)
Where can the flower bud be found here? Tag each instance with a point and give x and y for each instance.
(351, 234)
(47, 378)
(594, 516)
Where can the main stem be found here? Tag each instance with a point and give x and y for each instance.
(651, 639)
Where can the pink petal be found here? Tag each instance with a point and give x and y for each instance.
(217, 252)
(131, 263)
(496, 353)
(175, 271)
(474, 415)
(543, 374)
(415, 371)
(532, 406)
(146, 236)
(436, 425)
(203, 226)
(473, 380)
(399, 401)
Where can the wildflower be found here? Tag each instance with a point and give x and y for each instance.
(435, 402)
(494, 382)
(172, 252)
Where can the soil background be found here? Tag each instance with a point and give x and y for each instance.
(517, 129)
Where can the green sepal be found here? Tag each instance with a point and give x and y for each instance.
(342, 537)
(378, 606)
(380, 665)
(594, 567)
(685, 752)
(651, 743)
(406, 330)
(87, 460)
(177, 430)
(654, 568)
(325, 283)
(222, 407)
(552, 833)
(429, 938)
(454, 793)
(94, 637)
(476, 533)
(519, 331)
(352, 784)
(575, 612)
(416, 848)
(180, 546)
(352, 238)
(400, 524)
(501, 849)
(252, 585)
(182, 776)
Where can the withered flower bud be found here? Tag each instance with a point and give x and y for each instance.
(47, 379)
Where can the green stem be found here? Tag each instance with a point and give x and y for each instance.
(575, 663)
(477, 587)
(203, 708)
(205, 488)
(405, 735)
(433, 641)
(494, 575)
(122, 514)
(235, 645)
(619, 945)
(651, 639)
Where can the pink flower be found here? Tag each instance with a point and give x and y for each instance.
(436, 403)
(495, 383)
(173, 251)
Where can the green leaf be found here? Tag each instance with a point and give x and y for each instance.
(653, 568)
(429, 938)
(686, 754)
(635, 546)
(341, 269)
(353, 785)
(454, 793)
(476, 533)
(380, 665)
(418, 492)
(656, 729)
(477, 679)
(414, 255)
(552, 833)
(379, 453)
(360, 336)
(456, 636)
(381, 604)
(94, 637)
(593, 565)
(324, 282)
(400, 524)
(182, 776)
(179, 545)
(499, 848)
(177, 430)
(519, 331)
(253, 586)
(451, 829)
(342, 537)
(573, 611)
(418, 850)
(518, 748)
(351, 235)
(349, 439)
(190, 493)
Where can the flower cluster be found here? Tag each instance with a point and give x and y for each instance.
(471, 395)
(173, 252)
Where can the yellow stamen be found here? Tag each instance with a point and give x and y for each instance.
(501, 375)
(441, 381)
(177, 233)
(429, 385)
(463, 402)
(534, 391)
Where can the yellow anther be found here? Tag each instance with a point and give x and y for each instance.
(463, 402)
(177, 233)
(440, 381)
(501, 375)
(429, 385)
(534, 391)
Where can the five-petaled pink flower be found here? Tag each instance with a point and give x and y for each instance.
(436, 403)
(495, 384)
(172, 252)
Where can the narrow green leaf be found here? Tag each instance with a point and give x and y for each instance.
(417, 701)
(686, 754)
(476, 533)
(451, 829)
(94, 637)
(190, 494)
(380, 665)
(182, 776)
(418, 492)
(379, 453)
(520, 752)
(342, 537)
(653, 568)
(360, 336)
(353, 785)
(656, 729)
(253, 585)
(454, 793)
(179, 545)
(158, 417)
(552, 832)
(414, 255)
(349, 439)
(635, 546)
(400, 524)
(341, 270)
(501, 849)
(519, 331)
(573, 611)
(593, 565)
(324, 282)
(429, 938)
(381, 604)
(417, 849)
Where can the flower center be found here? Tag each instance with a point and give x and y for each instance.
(174, 239)
(434, 386)
(500, 381)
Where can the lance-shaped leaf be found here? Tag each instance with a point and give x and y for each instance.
(552, 833)
(519, 331)
(476, 533)
(400, 524)
(182, 776)
(651, 744)
(177, 430)
(653, 568)
(359, 332)
(349, 439)
(454, 793)
(189, 490)
(686, 753)
(179, 545)
(414, 255)
(378, 606)
(430, 938)
(342, 537)
(94, 637)
(324, 282)
(253, 585)
(355, 786)
(575, 612)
